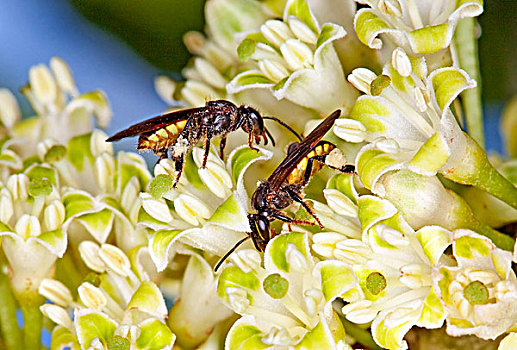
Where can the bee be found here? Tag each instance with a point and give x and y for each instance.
(285, 185)
(179, 131)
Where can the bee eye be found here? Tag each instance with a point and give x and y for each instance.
(263, 225)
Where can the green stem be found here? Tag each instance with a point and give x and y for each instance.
(8, 323)
(467, 50)
(361, 335)
(68, 271)
(499, 239)
(475, 170)
(32, 322)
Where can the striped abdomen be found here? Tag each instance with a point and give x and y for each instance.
(162, 138)
(297, 176)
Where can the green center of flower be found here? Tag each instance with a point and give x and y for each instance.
(276, 286)
(375, 283)
(55, 153)
(118, 343)
(40, 187)
(380, 83)
(160, 184)
(93, 278)
(476, 293)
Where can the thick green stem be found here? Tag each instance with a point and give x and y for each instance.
(32, 322)
(361, 335)
(8, 323)
(467, 49)
(475, 170)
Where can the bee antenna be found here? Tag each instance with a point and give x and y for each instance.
(270, 136)
(285, 126)
(230, 252)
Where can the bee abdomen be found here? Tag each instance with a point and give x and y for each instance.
(162, 138)
(297, 176)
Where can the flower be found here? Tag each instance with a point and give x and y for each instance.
(197, 310)
(208, 209)
(61, 112)
(286, 303)
(100, 191)
(480, 293)
(394, 265)
(119, 305)
(421, 27)
(295, 60)
(31, 227)
(339, 215)
(216, 62)
(405, 119)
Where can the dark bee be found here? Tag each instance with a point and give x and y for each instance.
(181, 130)
(285, 184)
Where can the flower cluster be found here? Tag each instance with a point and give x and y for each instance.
(410, 238)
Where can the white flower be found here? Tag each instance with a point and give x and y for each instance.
(394, 265)
(61, 113)
(407, 123)
(116, 303)
(480, 293)
(419, 27)
(208, 209)
(31, 220)
(288, 301)
(295, 60)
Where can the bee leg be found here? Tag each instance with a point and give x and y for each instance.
(178, 165)
(308, 170)
(250, 136)
(290, 221)
(273, 233)
(163, 155)
(250, 142)
(347, 169)
(207, 146)
(222, 145)
(296, 197)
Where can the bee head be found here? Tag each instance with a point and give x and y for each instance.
(252, 123)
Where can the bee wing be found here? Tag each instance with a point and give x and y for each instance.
(156, 123)
(299, 150)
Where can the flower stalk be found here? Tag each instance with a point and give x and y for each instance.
(8, 323)
(360, 334)
(467, 50)
(476, 170)
(32, 321)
